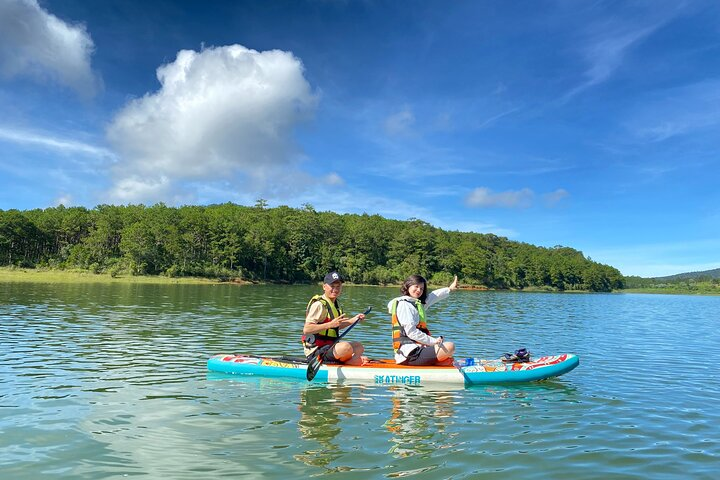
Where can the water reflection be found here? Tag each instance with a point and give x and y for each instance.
(419, 420)
(110, 381)
(321, 409)
(527, 392)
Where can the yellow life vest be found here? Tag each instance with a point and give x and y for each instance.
(334, 310)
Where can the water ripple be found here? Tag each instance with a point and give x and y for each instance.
(110, 381)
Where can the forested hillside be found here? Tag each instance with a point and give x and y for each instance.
(705, 282)
(704, 275)
(283, 245)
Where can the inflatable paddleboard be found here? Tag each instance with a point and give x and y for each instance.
(386, 372)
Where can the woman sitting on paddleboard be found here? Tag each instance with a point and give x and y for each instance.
(412, 342)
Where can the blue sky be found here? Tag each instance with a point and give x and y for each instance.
(594, 125)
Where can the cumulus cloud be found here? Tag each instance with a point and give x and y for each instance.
(484, 197)
(37, 44)
(64, 199)
(553, 198)
(334, 179)
(224, 113)
(137, 189)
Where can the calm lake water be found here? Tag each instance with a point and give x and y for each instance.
(110, 381)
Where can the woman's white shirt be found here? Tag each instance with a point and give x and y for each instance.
(409, 319)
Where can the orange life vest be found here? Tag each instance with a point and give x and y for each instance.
(398, 332)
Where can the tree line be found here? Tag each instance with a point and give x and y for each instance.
(284, 244)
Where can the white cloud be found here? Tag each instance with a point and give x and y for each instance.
(660, 259)
(678, 111)
(400, 123)
(553, 198)
(222, 113)
(606, 53)
(35, 43)
(61, 145)
(490, 121)
(334, 179)
(139, 190)
(484, 197)
(477, 227)
(64, 199)
(608, 42)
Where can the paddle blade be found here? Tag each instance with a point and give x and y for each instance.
(314, 364)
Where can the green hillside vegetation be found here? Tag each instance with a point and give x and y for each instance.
(703, 283)
(284, 244)
(705, 275)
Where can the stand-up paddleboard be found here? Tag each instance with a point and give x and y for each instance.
(387, 372)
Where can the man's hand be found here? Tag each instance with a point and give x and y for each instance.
(337, 322)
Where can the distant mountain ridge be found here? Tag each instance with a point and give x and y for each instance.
(715, 273)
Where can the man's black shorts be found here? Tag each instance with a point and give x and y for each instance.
(327, 354)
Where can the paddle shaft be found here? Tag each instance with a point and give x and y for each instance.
(316, 361)
(346, 331)
(367, 310)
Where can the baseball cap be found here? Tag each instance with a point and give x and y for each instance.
(333, 277)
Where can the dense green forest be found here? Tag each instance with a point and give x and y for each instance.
(284, 244)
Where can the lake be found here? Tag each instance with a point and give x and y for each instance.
(105, 381)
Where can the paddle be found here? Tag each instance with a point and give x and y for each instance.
(315, 360)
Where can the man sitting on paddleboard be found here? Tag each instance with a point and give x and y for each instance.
(412, 342)
(323, 320)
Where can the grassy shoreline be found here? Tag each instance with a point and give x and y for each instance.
(30, 275)
(47, 275)
(44, 275)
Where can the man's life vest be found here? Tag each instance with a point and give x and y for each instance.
(398, 332)
(323, 337)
